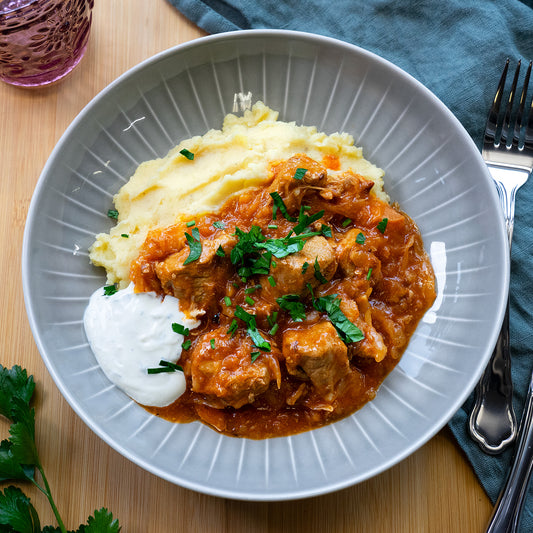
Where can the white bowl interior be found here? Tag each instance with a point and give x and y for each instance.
(433, 170)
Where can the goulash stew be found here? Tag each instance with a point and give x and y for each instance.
(308, 290)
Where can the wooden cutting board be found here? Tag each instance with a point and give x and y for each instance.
(434, 490)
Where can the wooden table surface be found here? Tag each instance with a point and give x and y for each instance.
(434, 490)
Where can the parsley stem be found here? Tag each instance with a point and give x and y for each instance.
(47, 492)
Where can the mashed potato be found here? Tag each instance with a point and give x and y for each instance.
(225, 162)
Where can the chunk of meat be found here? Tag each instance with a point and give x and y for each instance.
(356, 260)
(221, 368)
(360, 314)
(292, 273)
(291, 189)
(318, 354)
(199, 283)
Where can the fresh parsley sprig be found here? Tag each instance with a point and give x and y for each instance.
(19, 461)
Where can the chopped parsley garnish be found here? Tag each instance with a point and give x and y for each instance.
(346, 222)
(245, 244)
(227, 300)
(165, 366)
(159, 370)
(212, 343)
(330, 305)
(292, 304)
(186, 344)
(274, 329)
(272, 318)
(195, 246)
(233, 327)
(219, 224)
(251, 290)
(300, 173)
(109, 290)
(179, 328)
(369, 273)
(288, 245)
(251, 329)
(125, 235)
(190, 223)
(187, 154)
(249, 301)
(254, 356)
(280, 204)
(360, 239)
(305, 266)
(112, 213)
(382, 225)
(318, 275)
(220, 251)
(305, 221)
(272, 281)
(326, 231)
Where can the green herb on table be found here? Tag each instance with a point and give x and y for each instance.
(19, 460)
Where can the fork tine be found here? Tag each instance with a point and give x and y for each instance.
(521, 106)
(528, 139)
(492, 118)
(509, 107)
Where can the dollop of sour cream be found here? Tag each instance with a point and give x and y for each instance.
(131, 332)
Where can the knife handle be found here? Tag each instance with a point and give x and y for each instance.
(507, 511)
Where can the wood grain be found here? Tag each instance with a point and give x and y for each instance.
(434, 490)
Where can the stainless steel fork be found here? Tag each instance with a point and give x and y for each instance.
(508, 153)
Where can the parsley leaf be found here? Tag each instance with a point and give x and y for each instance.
(17, 512)
(112, 213)
(187, 154)
(249, 320)
(330, 305)
(318, 275)
(109, 290)
(19, 459)
(14, 383)
(219, 224)
(195, 246)
(300, 173)
(180, 328)
(305, 221)
(382, 225)
(292, 304)
(360, 239)
(280, 204)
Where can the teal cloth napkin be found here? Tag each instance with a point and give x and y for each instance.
(457, 49)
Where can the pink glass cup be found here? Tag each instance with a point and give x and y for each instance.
(41, 41)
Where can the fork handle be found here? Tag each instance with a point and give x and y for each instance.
(507, 511)
(492, 422)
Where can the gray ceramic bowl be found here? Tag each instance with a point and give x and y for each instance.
(433, 170)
